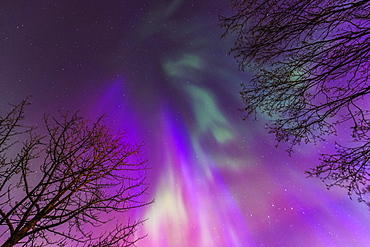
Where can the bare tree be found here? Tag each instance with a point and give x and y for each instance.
(61, 187)
(310, 74)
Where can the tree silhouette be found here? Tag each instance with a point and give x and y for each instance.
(61, 187)
(310, 70)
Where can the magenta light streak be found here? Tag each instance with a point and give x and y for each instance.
(193, 206)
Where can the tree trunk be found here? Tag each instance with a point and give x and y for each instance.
(13, 240)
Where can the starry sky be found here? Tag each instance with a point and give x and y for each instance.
(160, 70)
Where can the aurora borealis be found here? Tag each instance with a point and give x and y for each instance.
(160, 70)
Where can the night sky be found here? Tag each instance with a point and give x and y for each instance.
(160, 70)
